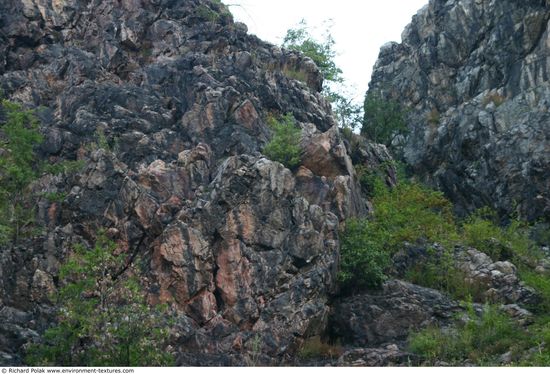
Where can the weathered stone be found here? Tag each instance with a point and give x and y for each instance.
(474, 78)
(390, 355)
(388, 315)
(167, 110)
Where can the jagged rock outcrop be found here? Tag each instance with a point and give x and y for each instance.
(166, 104)
(474, 77)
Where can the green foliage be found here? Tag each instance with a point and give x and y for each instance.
(364, 258)
(407, 213)
(207, 14)
(103, 316)
(19, 136)
(322, 53)
(55, 196)
(64, 167)
(254, 351)
(298, 75)
(480, 340)
(481, 231)
(541, 284)
(410, 212)
(511, 242)
(368, 179)
(299, 39)
(348, 113)
(383, 120)
(284, 146)
(539, 334)
(439, 272)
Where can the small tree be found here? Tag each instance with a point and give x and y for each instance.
(323, 54)
(284, 146)
(18, 137)
(103, 317)
(383, 120)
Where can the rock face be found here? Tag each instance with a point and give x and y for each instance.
(387, 316)
(165, 103)
(474, 76)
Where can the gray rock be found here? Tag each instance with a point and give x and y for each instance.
(390, 355)
(389, 315)
(474, 77)
(166, 105)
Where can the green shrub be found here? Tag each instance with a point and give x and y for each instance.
(407, 213)
(480, 340)
(19, 136)
(541, 284)
(383, 119)
(298, 75)
(410, 212)
(284, 146)
(363, 258)
(482, 232)
(347, 112)
(103, 317)
(322, 53)
(540, 343)
(207, 14)
(439, 272)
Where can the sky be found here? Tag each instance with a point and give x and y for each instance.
(359, 27)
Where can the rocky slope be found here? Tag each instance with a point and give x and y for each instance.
(166, 103)
(474, 77)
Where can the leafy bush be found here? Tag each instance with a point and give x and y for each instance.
(19, 136)
(19, 167)
(348, 113)
(541, 284)
(408, 212)
(103, 316)
(298, 75)
(322, 53)
(284, 146)
(539, 334)
(364, 258)
(439, 272)
(482, 232)
(480, 340)
(383, 119)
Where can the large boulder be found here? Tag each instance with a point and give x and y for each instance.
(390, 314)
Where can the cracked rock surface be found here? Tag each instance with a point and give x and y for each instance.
(474, 77)
(166, 104)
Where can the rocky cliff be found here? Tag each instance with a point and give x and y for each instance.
(474, 78)
(166, 104)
